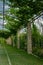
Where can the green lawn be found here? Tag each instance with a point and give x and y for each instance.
(19, 57)
(3, 57)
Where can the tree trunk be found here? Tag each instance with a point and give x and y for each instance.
(29, 38)
(18, 40)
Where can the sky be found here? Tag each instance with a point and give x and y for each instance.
(1, 12)
(1, 6)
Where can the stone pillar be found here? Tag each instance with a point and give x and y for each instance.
(9, 41)
(29, 38)
(12, 38)
(42, 29)
(18, 40)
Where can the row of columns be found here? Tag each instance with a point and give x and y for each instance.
(29, 39)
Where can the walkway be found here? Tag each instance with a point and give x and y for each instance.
(4, 58)
(12, 56)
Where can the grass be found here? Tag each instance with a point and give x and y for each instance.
(3, 57)
(19, 57)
